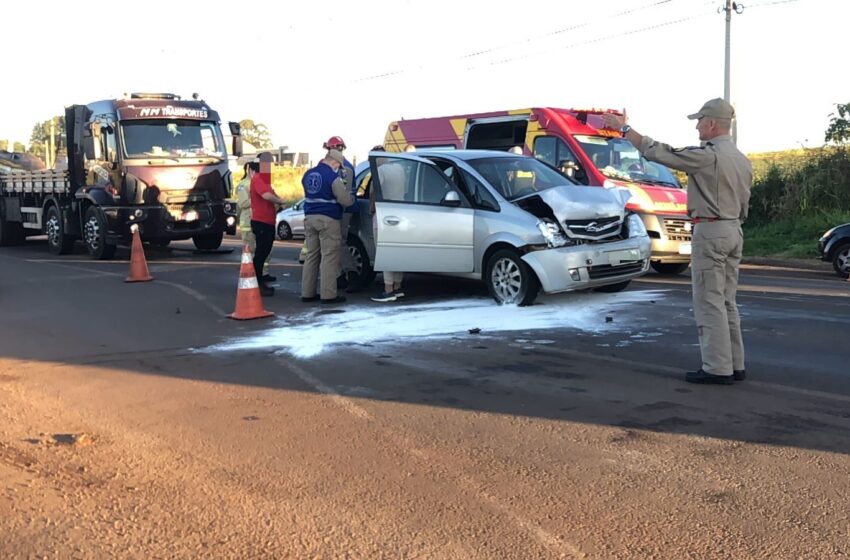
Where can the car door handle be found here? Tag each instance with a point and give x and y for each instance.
(392, 221)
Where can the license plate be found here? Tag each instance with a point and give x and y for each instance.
(190, 216)
(629, 255)
(685, 248)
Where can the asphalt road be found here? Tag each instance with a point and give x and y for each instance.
(136, 421)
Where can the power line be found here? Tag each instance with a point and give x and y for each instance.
(527, 40)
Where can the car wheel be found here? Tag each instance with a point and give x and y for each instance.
(509, 279)
(284, 231)
(841, 260)
(613, 288)
(670, 268)
(94, 234)
(363, 275)
(208, 242)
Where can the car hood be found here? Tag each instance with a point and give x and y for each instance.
(582, 203)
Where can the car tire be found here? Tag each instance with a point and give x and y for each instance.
(284, 232)
(841, 260)
(670, 268)
(613, 288)
(209, 242)
(364, 275)
(509, 279)
(94, 235)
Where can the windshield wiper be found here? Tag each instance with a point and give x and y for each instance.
(658, 182)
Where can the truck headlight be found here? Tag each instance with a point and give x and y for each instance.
(636, 227)
(552, 234)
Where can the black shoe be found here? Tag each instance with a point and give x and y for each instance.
(739, 374)
(310, 299)
(337, 299)
(701, 376)
(266, 290)
(268, 278)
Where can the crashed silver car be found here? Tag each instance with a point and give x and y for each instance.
(509, 220)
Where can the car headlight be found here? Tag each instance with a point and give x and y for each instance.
(552, 234)
(636, 227)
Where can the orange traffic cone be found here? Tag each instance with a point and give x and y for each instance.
(249, 304)
(138, 264)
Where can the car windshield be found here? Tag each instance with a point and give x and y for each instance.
(515, 177)
(172, 139)
(617, 158)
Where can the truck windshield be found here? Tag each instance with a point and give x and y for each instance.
(172, 139)
(516, 177)
(617, 158)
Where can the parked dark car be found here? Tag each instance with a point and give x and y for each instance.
(834, 247)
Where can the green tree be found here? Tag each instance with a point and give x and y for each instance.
(838, 131)
(4, 145)
(41, 133)
(18, 147)
(256, 134)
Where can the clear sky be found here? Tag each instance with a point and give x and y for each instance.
(309, 70)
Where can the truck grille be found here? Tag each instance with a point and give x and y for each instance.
(607, 270)
(598, 228)
(678, 229)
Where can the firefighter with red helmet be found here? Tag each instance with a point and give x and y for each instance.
(346, 172)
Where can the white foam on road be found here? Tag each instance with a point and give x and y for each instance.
(313, 332)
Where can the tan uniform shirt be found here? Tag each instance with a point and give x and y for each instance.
(243, 203)
(342, 193)
(719, 176)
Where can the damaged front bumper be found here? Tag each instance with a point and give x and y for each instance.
(589, 265)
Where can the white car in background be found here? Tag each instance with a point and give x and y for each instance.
(290, 221)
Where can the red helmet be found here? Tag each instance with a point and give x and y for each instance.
(334, 143)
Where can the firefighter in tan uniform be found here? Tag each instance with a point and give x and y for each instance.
(719, 182)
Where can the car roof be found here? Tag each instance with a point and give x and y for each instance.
(464, 155)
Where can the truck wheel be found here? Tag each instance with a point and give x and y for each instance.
(363, 275)
(670, 268)
(613, 288)
(94, 234)
(841, 260)
(509, 279)
(58, 241)
(208, 242)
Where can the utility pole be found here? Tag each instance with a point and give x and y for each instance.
(738, 8)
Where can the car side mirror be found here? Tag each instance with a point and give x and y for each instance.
(451, 199)
(236, 132)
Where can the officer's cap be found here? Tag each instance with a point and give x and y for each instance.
(715, 109)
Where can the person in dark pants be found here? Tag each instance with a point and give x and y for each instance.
(263, 209)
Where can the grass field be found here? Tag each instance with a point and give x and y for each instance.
(796, 238)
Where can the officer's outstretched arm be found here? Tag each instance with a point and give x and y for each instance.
(689, 160)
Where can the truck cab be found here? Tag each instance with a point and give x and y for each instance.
(575, 142)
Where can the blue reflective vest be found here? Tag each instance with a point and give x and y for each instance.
(318, 194)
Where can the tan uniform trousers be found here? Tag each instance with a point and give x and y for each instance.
(716, 248)
(250, 240)
(322, 239)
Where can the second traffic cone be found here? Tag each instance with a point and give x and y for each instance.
(249, 303)
(138, 264)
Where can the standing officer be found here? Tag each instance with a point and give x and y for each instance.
(263, 200)
(719, 182)
(325, 195)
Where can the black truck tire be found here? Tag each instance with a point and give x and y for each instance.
(58, 241)
(94, 234)
(208, 242)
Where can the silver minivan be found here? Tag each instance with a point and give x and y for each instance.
(510, 220)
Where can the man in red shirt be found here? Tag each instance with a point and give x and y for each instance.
(263, 210)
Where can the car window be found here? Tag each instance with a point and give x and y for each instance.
(519, 176)
(362, 182)
(404, 180)
(479, 195)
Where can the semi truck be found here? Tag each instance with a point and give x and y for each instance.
(153, 160)
(576, 142)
